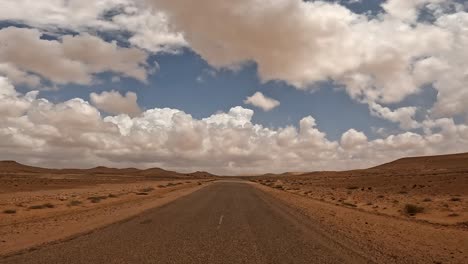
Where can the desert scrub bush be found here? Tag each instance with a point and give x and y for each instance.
(141, 193)
(96, 199)
(74, 203)
(147, 189)
(412, 209)
(427, 200)
(349, 204)
(9, 211)
(455, 199)
(41, 206)
(111, 195)
(352, 187)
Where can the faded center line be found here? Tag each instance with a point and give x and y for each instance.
(220, 221)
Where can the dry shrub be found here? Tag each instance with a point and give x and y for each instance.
(41, 206)
(74, 203)
(96, 199)
(412, 209)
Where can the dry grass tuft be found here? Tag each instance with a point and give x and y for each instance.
(412, 209)
(146, 190)
(9, 211)
(349, 204)
(74, 203)
(96, 199)
(41, 206)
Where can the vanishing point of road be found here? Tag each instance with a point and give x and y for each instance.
(225, 222)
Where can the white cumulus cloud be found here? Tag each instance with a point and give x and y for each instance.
(75, 134)
(149, 29)
(261, 101)
(72, 59)
(114, 103)
(380, 59)
(403, 115)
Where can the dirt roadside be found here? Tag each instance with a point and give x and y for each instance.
(30, 229)
(383, 238)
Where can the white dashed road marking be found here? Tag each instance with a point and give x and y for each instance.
(220, 221)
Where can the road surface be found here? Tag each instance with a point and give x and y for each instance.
(225, 222)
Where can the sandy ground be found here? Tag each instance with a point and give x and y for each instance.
(397, 240)
(34, 214)
(440, 195)
(409, 211)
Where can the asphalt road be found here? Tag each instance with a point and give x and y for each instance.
(226, 222)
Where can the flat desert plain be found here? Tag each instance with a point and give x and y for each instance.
(412, 210)
(38, 205)
(427, 189)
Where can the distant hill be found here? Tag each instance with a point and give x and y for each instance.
(158, 172)
(451, 161)
(423, 163)
(439, 162)
(201, 174)
(10, 166)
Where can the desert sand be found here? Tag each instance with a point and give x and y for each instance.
(415, 209)
(430, 189)
(412, 210)
(39, 205)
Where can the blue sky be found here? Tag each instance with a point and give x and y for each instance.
(375, 84)
(175, 85)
